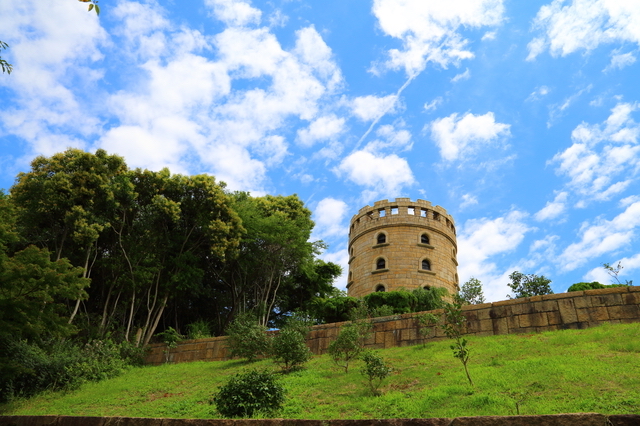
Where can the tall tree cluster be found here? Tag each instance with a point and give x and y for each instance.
(125, 253)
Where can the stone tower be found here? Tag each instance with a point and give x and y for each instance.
(401, 244)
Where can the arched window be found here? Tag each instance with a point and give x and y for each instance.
(380, 288)
(424, 239)
(426, 287)
(426, 265)
(380, 263)
(382, 238)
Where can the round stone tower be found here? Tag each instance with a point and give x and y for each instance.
(401, 244)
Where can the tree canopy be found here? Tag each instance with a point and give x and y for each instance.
(113, 251)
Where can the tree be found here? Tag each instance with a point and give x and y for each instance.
(614, 271)
(289, 349)
(375, 370)
(454, 327)
(471, 292)
(246, 338)
(346, 347)
(527, 285)
(6, 66)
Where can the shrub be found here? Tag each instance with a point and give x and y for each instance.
(424, 324)
(346, 347)
(247, 338)
(429, 299)
(199, 330)
(248, 393)
(585, 286)
(399, 300)
(289, 349)
(454, 329)
(170, 337)
(375, 369)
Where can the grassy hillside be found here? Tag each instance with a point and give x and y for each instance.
(595, 370)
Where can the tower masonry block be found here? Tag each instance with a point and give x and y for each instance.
(402, 244)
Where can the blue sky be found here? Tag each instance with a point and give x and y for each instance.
(519, 118)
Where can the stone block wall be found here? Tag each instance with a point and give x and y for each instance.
(575, 310)
(580, 419)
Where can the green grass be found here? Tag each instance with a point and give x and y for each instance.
(595, 370)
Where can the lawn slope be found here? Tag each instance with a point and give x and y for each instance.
(569, 371)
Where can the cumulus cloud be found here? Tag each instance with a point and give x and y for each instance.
(620, 60)
(457, 136)
(601, 236)
(600, 275)
(429, 30)
(234, 12)
(552, 209)
(604, 158)
(329, 217)
(584, 25)
(324, 128)
(369, 108)
(481, 241)
(381, 175)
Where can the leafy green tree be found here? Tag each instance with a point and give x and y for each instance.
(428, 299)
(454, 328)
(289, 349)
(425, 323)
(471, 292)
(170, 337)
(614, 272)
(401, 301)
(6, 66)
(375, 370)
(249, 393)
(332, 308)
(527, 285)
(247, 338)
(347, 346)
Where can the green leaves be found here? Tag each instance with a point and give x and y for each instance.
(527, 285)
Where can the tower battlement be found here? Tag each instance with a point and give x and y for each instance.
(401, 244)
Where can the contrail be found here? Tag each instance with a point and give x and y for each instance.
(404, 86)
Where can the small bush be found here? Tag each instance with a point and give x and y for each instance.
(170, 337)
(247, 338)
(288, 348)
(375, 369)
(346, 347)
(198, 330)
(248, 393)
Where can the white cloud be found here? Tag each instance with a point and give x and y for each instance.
(433, 105)
(604, 158)
(602, 236)
(329, 217)
(538, 93)
(584, 25)
(369, 108)
(468, 200)
(428, 29)
(602, 276)
(381, 175)
(480, 241)
(462, 76)
(324, 128)
(458, 136)
(51, 50)
(620, 60)
(553, 209)
(232, 134)
(557, 110)
(234, 12)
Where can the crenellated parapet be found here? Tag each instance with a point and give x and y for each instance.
(401, 244)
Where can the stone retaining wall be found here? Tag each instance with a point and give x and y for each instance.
(587, 419)
(575, 310)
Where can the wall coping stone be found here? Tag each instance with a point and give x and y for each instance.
(574, 419)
